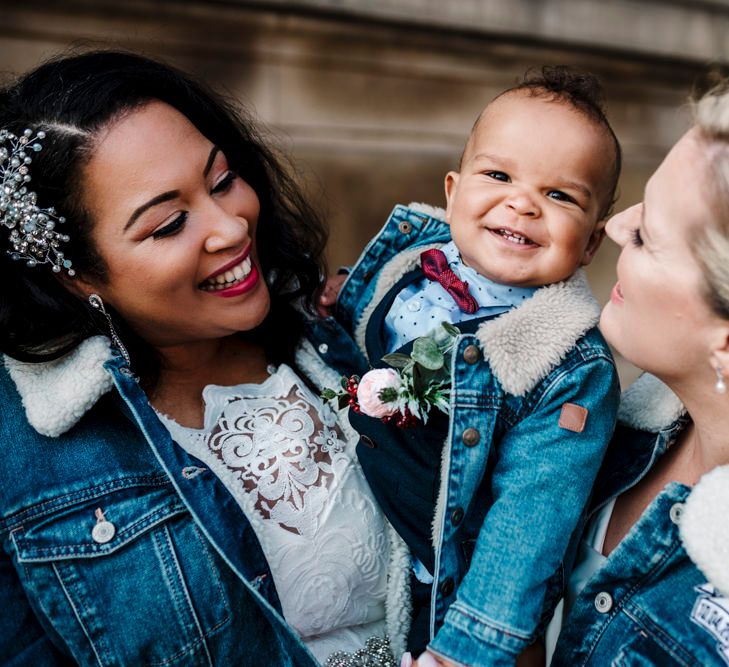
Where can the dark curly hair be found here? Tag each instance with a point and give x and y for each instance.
(583, 92)
(72, 98)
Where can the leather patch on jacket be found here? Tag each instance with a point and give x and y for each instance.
(573, 417)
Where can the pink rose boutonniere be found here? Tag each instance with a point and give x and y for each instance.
(410, 388)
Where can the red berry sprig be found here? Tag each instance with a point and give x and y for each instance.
(351, 389)
(401, 419)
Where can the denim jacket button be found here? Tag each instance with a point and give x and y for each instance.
(603, 602)
(470, 437)
(675, 512)
(368, 442)
(457, 516)
(103, 532)
(471, 354)
(405, 227)
(447, 587)
(323, 348)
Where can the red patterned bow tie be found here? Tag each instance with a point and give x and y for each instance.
(435, 267)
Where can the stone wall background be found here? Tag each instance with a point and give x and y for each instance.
(374, 98)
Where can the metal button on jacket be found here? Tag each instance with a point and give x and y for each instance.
(447, 587)
(675, 512)
(405, 227)
(323, 348)
(603, 602)
(471, 354)
(457, 516)
(368, 442)
(470, 437)
(103, 532)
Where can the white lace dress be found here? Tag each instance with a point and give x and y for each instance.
(281, 453)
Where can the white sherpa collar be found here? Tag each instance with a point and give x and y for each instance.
(56, 394)
(524, 344)
(705, 527)
(649, 405)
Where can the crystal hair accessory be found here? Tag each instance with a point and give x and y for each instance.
(33, 232)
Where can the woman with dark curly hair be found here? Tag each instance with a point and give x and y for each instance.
(173, 486)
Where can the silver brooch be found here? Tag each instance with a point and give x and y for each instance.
(376, 653)
(33, 232)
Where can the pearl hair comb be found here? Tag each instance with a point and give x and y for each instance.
(33, 232)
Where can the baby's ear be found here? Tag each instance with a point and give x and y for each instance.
(593, 243)
(451, 187)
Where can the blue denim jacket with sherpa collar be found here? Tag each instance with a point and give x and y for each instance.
(511, 404)
(662, 596)
(119, 548)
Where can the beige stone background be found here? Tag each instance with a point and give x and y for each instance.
(374, 98)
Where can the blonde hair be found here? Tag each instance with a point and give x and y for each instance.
(711, 244)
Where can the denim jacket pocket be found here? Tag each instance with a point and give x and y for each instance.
(125, 578)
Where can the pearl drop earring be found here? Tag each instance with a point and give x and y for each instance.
(720, 385)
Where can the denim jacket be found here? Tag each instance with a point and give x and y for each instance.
(534, 396)
(662, 596)
(118, 548)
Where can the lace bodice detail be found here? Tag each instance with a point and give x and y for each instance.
(280, 451)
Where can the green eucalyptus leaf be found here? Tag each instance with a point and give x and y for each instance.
(397, 360)
(427, 354)
(453, 331)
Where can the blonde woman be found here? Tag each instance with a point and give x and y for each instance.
(651, 582)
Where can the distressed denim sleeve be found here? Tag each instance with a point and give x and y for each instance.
(544, 470)
(22, 640)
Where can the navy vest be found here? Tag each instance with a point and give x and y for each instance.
(402, 465)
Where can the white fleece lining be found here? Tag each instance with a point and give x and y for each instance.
(704, 527)
(56, 394)
(649, 405)
(433, 211)
(524, 344)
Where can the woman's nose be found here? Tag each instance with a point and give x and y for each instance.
(619, 227)
(225, 231)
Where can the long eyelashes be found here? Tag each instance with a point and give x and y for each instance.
(174, 227)
(225, 183)
(636, 238)
(178, 223)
